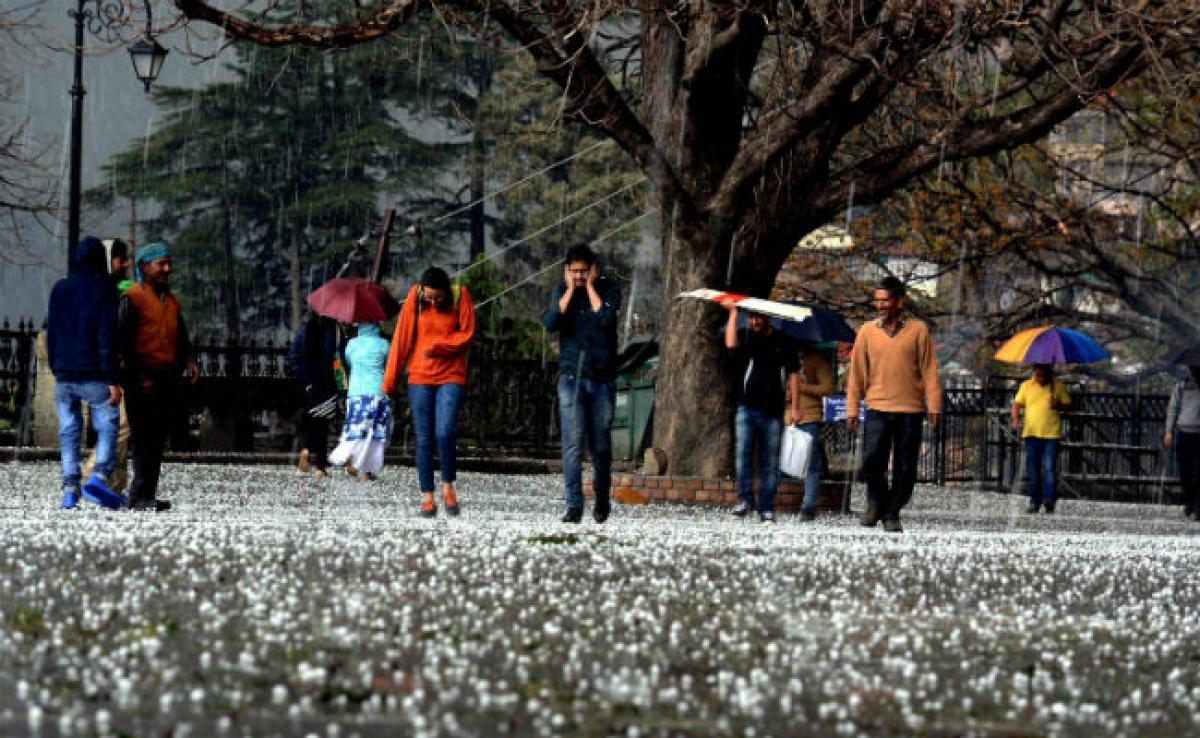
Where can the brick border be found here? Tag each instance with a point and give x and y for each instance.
(709, 492)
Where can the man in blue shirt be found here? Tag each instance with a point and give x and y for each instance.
(584, 311)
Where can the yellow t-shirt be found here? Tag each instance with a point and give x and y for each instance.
(1041, 420)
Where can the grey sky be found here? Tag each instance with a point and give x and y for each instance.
(116, 110)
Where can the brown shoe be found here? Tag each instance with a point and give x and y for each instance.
(428, 506)
(351, 470)
(870, 516)
(892, 525)
(451, 500)
(305, 462)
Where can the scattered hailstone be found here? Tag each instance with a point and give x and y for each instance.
(366, 614)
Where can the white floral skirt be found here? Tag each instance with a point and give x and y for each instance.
(365, 435)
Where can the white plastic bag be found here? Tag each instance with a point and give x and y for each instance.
(795, 451)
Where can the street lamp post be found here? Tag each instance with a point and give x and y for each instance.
(104, 19)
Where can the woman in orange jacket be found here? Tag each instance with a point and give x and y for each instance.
(430, 343)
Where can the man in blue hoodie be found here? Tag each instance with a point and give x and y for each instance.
(81, 328)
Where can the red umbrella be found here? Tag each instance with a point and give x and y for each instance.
(353, 300)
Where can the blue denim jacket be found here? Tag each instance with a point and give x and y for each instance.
(587, 344)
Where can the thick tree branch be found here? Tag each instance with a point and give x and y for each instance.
(589, 94)
(370, 28)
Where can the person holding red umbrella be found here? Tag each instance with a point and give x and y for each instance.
(313, 356)
(368, 424)
(435, 329)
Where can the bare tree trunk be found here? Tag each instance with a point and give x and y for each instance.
(294, 276)
(694, 123)
(694, 372)
(229, 293)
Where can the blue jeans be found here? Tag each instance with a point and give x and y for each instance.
(816, 466)
(585, 408)
(1040, 455)
(764, 431)
(435, 414)
(106, 419)
(894, 436)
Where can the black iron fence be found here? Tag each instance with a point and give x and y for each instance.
(16, 362)
(246, 400)
(1110, 449)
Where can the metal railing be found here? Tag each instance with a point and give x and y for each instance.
(16, 378)
(1110, 447)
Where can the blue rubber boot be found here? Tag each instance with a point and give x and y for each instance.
(70, 499)
(98, 493)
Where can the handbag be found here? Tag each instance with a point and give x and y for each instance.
(795, 451)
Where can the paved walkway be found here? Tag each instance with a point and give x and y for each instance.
(273, 604)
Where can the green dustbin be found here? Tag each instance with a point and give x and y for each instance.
(633, 413)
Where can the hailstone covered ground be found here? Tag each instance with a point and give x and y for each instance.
(268, 603)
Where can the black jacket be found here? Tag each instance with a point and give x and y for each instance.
(587, 344)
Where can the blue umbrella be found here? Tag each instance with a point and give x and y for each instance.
(822, 326)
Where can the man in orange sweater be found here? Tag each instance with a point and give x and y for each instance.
(894, 368)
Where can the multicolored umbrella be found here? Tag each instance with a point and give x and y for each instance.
(353, 300)
(1051, 345)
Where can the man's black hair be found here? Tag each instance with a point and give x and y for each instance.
(894, 287)
(119, 248)
(581, 252)
(436, 278)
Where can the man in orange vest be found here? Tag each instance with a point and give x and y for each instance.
(155, 352)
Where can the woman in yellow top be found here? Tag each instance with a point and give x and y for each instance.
(1042, 397)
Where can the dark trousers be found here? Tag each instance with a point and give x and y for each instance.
(316, 440)
(1187, 456)
(152, 411)
(315, 430)
(887, 433)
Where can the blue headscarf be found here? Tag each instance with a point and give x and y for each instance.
(147, 254)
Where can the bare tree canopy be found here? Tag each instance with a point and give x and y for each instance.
(758, 121)
(27, 190)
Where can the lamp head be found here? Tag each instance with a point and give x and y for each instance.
(147, 57)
